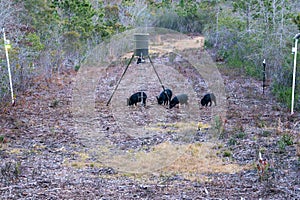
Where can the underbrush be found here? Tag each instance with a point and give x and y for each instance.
(284, 94)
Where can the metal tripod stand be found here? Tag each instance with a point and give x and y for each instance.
(126, 70)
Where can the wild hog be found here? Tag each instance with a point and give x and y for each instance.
(208, 98)
(164, 97)
(137, 97)
(140, 60)
(179, 99)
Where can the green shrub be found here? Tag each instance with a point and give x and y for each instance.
(283, 94)
(184, 16)
(241, 135)
(234, 60)
(266, 133)
(1, 138)
(222, 55)
(232, 141)
(253, 71)
(227, 154)
(208, 44)
(285, 140)
(76, 68)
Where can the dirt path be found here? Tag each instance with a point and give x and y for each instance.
(125, 138)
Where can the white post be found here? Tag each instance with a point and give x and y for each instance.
(294, 50)
(8, 67)
(264, 75)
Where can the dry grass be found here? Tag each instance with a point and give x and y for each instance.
(140, 162)
(201, 159)
(179, 127)
(192, 161)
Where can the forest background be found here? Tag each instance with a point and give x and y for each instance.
(50, 36)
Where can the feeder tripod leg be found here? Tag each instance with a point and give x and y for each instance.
(156, 74)
(120, 80)
(163, 87)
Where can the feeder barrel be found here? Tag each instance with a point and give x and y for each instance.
(141, 44)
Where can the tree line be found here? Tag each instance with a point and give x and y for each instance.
(49, 36)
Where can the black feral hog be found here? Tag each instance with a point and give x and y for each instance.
(137, 97)
(208, 98)
(179, 99)
(140, 60)
(164, 97)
